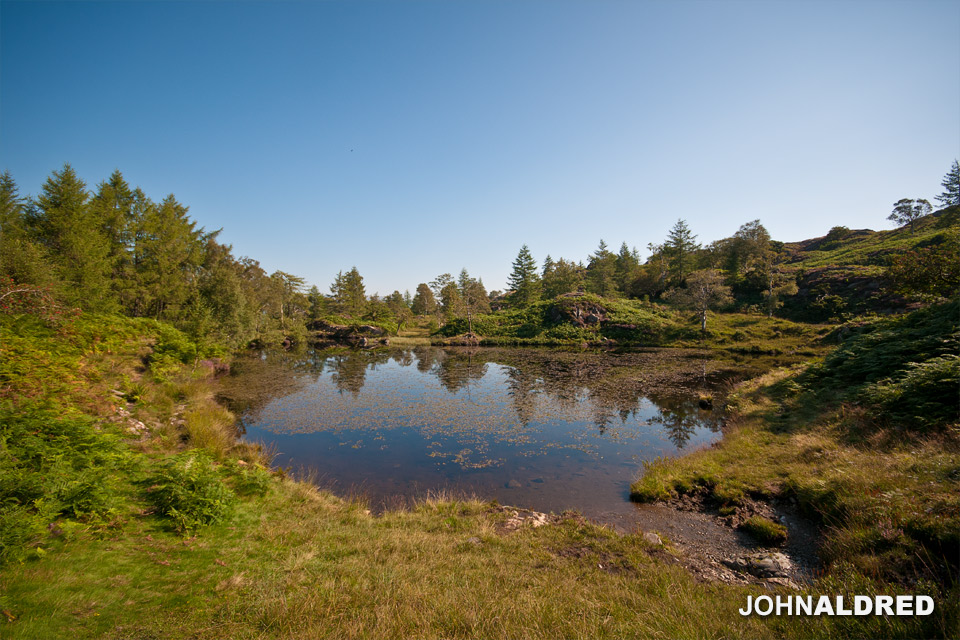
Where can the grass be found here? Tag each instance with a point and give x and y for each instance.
(885, 488)
(180, 533)
(765, 530)
(638, 323)
(307, 564)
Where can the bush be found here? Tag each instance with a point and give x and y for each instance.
(188, 490)
(248, 479)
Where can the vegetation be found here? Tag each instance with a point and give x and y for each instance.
(125, 496)
(865, 442)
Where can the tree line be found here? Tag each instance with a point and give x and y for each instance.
(113, 249)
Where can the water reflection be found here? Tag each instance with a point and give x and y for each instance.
(549, 429)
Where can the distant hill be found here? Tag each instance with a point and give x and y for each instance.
(842, 272)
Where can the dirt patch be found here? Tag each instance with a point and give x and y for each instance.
(714, 551)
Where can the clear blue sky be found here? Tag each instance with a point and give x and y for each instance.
(416, 138)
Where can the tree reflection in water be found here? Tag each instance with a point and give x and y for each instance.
(541, 385)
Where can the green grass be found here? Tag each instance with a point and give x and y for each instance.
(178, 534)
(637, 323)
(865, 248)
(765, 530)
(885, 489)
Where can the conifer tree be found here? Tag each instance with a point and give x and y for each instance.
(170, 250)
(951, 187)
(524, 279)
(21, 259)
(564, 276)
(680, 247)
(601, 272)
(62, 220)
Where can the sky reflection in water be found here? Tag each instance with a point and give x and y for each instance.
(549, 430)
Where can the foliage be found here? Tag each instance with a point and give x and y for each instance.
(905, 364)
(562, 276)
(348, 293)
(951, 187)
(704, 291)
(51, 465)
(188, 490)
(601, 272)
(680, 248)
(424, 303)
(908, 211)
(931, 270)
(524, 279)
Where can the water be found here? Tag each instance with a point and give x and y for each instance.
(543, 429)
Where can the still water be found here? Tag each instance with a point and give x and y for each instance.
(545, 429)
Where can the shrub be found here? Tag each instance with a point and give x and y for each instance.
(188, 490)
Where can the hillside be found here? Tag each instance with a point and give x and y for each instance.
(841, 274)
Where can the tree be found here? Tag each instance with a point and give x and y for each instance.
(628, 268)
(424, 302)
(908, 211)
(563, 277)
(22, 260)
(524, 279)
(680, 248)
(318, 303)
(170, 251)
(704, 291)
(951, 187)
(349, 294)
(63, 224)
(292, 302)
(601, 272)
(473, 297)
(399, 308)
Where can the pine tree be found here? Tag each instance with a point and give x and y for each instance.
(21, 259)
(170, 252)
(680, 247)
(951, 187)
(113, 208)
(349, 293)
(627, 268)
(62, 220)
(565, 276)
(524, 279)
(602, 271)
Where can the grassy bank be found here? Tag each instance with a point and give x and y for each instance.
(590, 320)
(867, 443)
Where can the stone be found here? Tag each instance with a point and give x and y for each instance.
(651, 538)
(762, 565)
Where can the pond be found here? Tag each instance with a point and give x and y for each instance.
(544, 429)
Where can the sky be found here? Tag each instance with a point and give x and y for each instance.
(414, 138)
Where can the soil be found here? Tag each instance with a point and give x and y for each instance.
(713, 550)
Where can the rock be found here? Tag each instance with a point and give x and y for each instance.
(513, 484)
(782, 582)
(521, 517)
(762, 565)
(537, 480)
(651, 538)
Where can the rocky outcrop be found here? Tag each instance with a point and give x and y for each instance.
(576, 309)
(363, 335)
